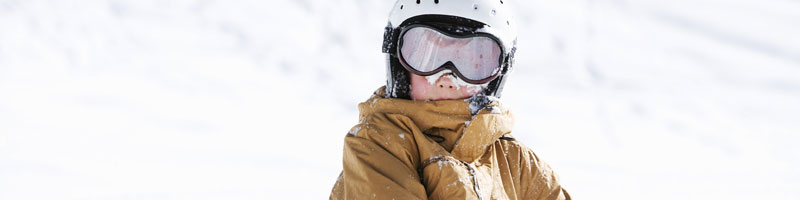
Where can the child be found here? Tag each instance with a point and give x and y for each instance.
(437, 129)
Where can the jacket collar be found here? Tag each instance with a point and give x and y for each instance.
(476, 132)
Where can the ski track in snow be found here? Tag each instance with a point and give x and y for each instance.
(194, 99)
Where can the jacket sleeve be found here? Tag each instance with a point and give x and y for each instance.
(538, 180)
(377, 165)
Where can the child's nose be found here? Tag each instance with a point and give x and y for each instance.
(445, 82)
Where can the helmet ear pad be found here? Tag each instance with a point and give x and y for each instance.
(398, 82)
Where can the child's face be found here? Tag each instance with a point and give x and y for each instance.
(441, 86)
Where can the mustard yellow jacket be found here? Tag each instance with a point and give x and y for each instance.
(404, 149)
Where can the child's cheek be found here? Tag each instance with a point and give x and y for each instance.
(419, 87)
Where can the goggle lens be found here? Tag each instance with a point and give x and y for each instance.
(427, 50)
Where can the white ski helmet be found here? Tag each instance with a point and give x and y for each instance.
(457, 17)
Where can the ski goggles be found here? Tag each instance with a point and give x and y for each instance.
(424, 50)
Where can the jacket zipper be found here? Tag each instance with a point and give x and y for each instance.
(475, 185)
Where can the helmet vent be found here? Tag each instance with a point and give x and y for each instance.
(475, 6)
(501, 1)
(417, 1)
(436, 1)
(401, 7)
(494, 12)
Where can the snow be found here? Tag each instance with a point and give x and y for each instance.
(188, 99)
(472, 88)
(354, 131)
(435, 77)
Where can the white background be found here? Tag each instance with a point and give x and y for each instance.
(248, 99)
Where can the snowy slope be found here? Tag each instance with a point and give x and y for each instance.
(677, 100)
(202, 99)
